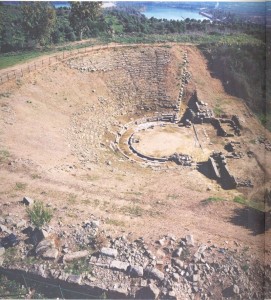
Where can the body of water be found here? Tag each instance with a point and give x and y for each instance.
(181, 10)
(172, 13)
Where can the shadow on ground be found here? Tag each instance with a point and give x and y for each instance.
(254, 220)
(204, 168)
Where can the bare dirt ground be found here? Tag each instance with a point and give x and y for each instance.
(56, 126)
(165, 141)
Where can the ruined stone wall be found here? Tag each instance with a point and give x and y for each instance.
(220, 171)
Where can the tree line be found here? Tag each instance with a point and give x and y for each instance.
(32, 24)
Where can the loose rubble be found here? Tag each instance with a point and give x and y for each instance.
(175, 268)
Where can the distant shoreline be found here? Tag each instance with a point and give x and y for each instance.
(108, 4)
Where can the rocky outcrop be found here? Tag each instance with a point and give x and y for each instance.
(171, 268)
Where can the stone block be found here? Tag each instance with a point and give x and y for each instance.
(136, 271)
(154, 273)
(109, 252)
(28, 201)
(119, 265)
(75, 279)
(75, 256)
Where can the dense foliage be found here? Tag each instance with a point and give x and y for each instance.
(31, 24)
(38, 20)
(242, 70)
(82, 14)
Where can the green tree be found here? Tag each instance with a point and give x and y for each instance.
(82, 13)
(11, 34)
(38, 20)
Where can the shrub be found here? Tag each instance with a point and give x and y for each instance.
(39, 215)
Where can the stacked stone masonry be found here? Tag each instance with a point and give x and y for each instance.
(145, 74)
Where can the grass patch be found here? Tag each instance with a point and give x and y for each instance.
(72, 215)
(173, 196)
(105, 204)
(20, 186)
(11, 288)
(265, 119)
(4, 155)
(133, 210)
(78, 267)
(245, 249)
(11, 254)
(92, 177)
(115, 222)
(86, 202)
(35, 176)
(96, 202)
(134, 193)
(212, 199)
(250, 203)
(11, 59)
(239, 199)
(120, 178)
(30, 260)
(218, 111)
(72, 199)
(245, 267)
(5, 95)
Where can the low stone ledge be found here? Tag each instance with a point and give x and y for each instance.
(75, 255)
